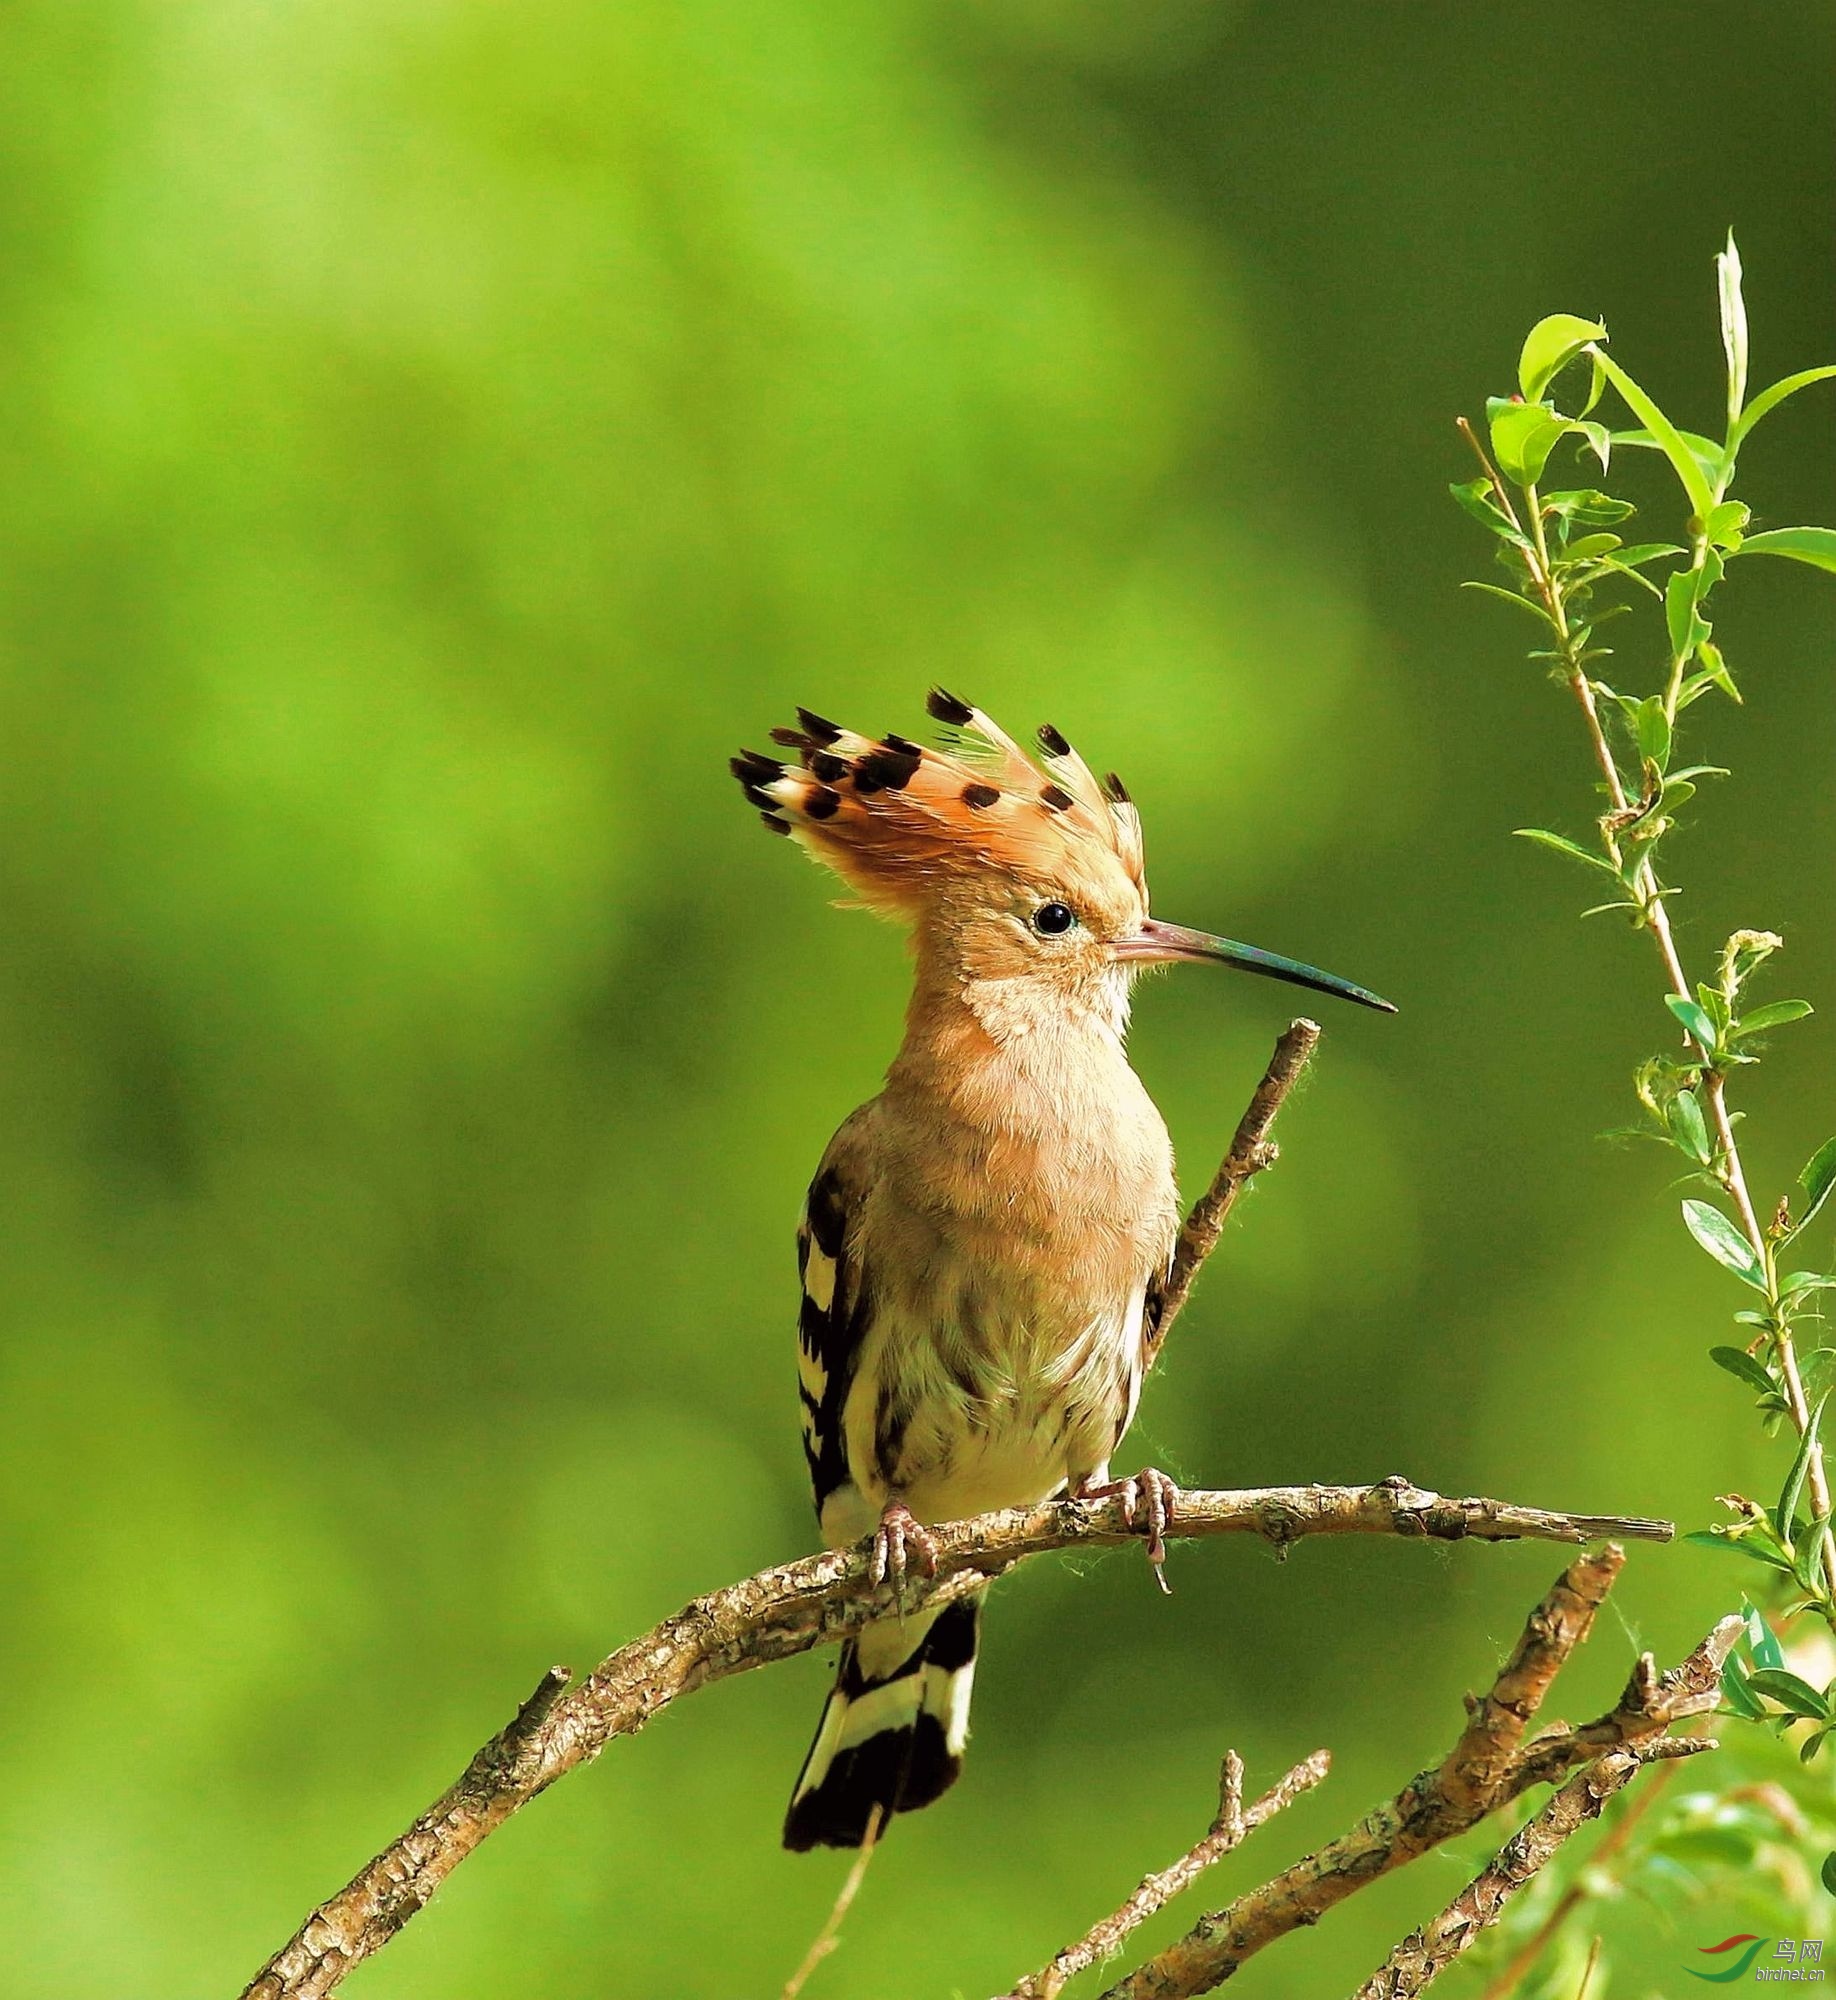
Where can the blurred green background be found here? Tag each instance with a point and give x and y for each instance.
(435, 437)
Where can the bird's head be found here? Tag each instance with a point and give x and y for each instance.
(1019, 873)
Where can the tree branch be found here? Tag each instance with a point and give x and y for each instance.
(1427, 1953)
(1232, 1825)
(796, 1606)
(1489, 1766)
(1506, 1982)
(1251, 1150)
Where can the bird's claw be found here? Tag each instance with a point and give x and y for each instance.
(1151, 1493)
(898, 1540)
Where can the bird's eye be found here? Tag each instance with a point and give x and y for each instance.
(1054, 919)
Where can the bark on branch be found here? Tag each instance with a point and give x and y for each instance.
(1251, 1150)
(1493, 1763)
(1426, 1953)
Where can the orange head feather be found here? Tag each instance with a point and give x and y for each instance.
(911, 828)
(1012, 866)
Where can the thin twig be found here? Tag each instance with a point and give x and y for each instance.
(1426, 1953)
(1467, 1786)
(829, 1936)
(1251, 1150)
(1233, 1823)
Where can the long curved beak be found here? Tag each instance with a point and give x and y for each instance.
(1156, 943)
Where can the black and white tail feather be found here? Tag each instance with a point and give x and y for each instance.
(891, 1735)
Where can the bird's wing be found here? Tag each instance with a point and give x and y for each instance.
(834, 1316)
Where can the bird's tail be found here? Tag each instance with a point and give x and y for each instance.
(892, 1731)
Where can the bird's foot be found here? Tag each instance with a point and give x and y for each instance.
(898, 1541)
(1150, 1494)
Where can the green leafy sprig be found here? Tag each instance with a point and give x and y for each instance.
(1568, 567)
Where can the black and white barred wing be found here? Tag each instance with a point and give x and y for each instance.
(892, 1730)
(831, 1328)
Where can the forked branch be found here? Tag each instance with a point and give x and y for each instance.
(1227, 1832)
(1494, 1762)
(1426, 1953)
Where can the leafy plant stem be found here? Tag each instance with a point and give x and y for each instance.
(1728, 1167)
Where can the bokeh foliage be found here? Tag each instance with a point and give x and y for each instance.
(435, 438)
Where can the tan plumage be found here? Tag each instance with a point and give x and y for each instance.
(983, 1243)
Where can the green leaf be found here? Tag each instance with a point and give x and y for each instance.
(1651, 726)
(1714, 674)
(1669, 440)
(1733, 328)
(1807, 1565)
(1575, 853)
(1743, 1366)
(1644, 552)
(1773, 1016)
(1683, 592)
(1549, 347)
(1598, 510)
(1688, 1126)
(1590, 548)
(1723, 1242)
(1706, 452)
(1536, 611)
(1762, 1640)
(1726, 525)
(1477, 497)
(1786, 1511)
(1817, 1180)
(1618, 568)
(1598, 438)
(1523, 436)
(1734, 1688)
(1696, 1020)
(1816, 546)
(1705, 1538)
(1768, 400)
(1827, 1873)
(1790, 1691)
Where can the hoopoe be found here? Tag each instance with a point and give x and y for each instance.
(983, 1245)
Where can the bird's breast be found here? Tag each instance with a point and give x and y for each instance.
(1010, 1242)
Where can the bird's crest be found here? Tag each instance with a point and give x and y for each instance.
(898, 821)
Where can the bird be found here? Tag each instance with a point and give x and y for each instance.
(983, 1248)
